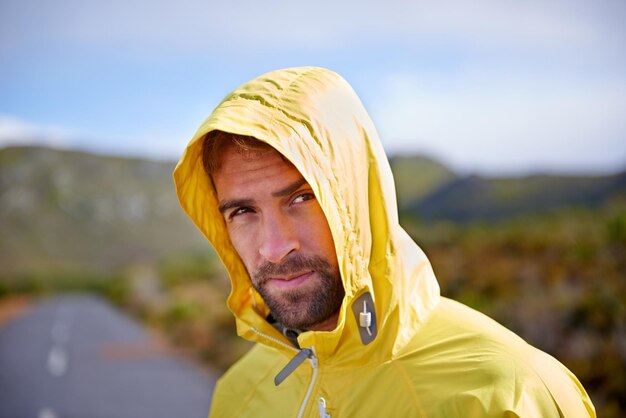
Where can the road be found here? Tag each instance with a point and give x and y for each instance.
(79, 357)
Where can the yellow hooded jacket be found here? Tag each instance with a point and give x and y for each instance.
(422, 355)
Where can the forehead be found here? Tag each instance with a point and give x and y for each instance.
(246, 170)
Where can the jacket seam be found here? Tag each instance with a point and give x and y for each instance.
(409, 387)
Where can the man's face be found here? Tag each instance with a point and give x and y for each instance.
(280, 232)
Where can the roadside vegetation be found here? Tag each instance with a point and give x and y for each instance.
(557, 279)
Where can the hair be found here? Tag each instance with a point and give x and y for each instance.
(216, 141)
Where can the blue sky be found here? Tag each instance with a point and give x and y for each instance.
(495, 87)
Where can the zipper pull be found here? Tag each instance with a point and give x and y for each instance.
(293, 365)
(321, 403)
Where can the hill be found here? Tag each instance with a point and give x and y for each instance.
(476, 198)
(417, 176)
(69, 210)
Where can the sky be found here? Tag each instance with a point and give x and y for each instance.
(492, 87)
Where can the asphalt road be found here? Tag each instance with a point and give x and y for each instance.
(78, 357)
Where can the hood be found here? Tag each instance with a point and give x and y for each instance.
(314, 118)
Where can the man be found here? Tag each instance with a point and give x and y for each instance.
(288, 180)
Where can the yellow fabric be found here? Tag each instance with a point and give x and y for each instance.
(432, 357)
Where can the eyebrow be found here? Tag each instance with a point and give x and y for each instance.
(235, 203)
(290, 188)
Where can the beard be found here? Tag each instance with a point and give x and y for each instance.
(315, 301)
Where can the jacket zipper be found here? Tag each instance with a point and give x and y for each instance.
(314, 364)
(299, 358)
(321, 404)
(276, 340)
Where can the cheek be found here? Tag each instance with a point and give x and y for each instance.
(318, 228)
(243, 241)
(329, 245)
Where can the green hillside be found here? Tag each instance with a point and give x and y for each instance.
(67, 210)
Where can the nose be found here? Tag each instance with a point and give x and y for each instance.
(279, 238)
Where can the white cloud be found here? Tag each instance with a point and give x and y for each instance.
(490, 122)
(166, 144)
(15, 131)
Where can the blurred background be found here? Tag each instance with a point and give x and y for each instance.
(504, 123)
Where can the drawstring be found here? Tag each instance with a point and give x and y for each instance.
(364, 312)
(365, 319)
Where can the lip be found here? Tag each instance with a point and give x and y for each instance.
(291, 282)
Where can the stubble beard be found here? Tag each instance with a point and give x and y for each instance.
(312, 303)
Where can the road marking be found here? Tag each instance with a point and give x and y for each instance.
(57, 361)
(46, 413)
(60, 333)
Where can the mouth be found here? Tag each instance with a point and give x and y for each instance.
(291, 281)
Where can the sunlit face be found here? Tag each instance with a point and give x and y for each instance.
(280, 232)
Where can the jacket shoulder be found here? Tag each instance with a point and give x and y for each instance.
(463, 363)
